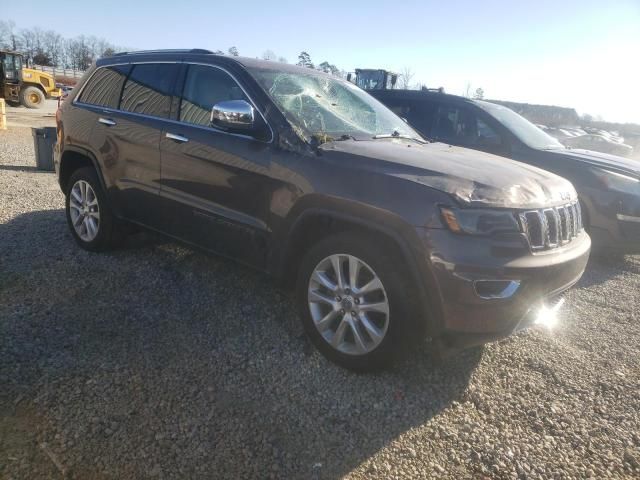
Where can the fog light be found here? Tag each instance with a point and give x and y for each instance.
(548, 315)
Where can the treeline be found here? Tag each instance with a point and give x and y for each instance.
(49, 48)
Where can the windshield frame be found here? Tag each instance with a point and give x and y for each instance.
(520, 127)
(266, 78)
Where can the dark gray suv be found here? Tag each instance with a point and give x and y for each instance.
(387, 238)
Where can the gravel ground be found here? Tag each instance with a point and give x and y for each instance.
(156, 361)
(22, 117)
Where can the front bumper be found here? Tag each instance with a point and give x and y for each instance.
(461, 263)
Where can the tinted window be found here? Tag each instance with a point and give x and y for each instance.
(203, 88)
(487, 135)
(461, 126)
(419, 114)
(104, 87)
(148, 89)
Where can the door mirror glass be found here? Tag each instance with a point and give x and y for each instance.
(237, 115)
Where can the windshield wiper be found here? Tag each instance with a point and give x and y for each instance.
(397, 134)
(346, 136)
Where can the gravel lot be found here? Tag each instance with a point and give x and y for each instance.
(156, 361)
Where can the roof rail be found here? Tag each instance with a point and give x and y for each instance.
(176, 50)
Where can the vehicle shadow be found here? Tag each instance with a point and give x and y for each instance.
(156, 358)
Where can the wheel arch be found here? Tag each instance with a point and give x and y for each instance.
(315, 223)
(74, 158)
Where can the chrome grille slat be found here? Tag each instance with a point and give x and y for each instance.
(550, 228)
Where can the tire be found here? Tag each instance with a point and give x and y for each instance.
(403, 321)
(95, 233)
(11, 103)
(32, 97)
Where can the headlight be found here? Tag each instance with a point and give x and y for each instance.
(618, 181)
(479, 222)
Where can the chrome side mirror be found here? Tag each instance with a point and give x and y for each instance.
(233, 115)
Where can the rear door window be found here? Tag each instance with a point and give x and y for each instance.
(418, 113)
(149, 88)
(205, 86)
(104, 87)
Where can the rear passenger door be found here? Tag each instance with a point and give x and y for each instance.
(216, 184)
(127, 139)
(418, 113)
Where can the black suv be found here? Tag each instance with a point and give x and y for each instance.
(386, 238)
(608, 185)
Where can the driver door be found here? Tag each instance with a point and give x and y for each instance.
(216, 185)
(461, 126)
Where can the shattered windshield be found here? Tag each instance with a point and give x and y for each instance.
(321, 106)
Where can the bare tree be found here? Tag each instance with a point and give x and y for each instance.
(405, 78)
(52, 44)
(479, 95)
(269, 55)
(233, 51)
(9, 37)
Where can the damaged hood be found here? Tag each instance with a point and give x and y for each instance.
(601, 160)
(473, 178)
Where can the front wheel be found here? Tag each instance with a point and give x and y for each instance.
(355, 302)
(32, 97)
(89, 216)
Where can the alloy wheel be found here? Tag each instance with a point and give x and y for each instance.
(84, 211)
(348, 304)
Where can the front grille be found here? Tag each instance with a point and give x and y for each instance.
(551, 227)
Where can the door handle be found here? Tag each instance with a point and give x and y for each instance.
(106, 121)
(177, 138)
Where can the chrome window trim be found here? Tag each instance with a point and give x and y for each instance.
(76, 101)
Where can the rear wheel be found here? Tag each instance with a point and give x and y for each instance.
(89, 216)
(32, 97)
(355, 302)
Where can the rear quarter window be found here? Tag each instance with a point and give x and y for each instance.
(104, 87)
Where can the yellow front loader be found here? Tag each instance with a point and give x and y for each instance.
(26, 86)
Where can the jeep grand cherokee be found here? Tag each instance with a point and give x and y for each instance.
(387, 238)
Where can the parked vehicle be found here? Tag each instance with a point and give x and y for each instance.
(386, 238)
(599, 143)
(20, 85)
(608, 185)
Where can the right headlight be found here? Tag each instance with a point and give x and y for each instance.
(479, 221)
(618, 181)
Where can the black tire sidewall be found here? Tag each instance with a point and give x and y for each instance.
(24, 95)
(103, 240)
(399, 294)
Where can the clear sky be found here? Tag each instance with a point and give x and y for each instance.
(577, 53)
